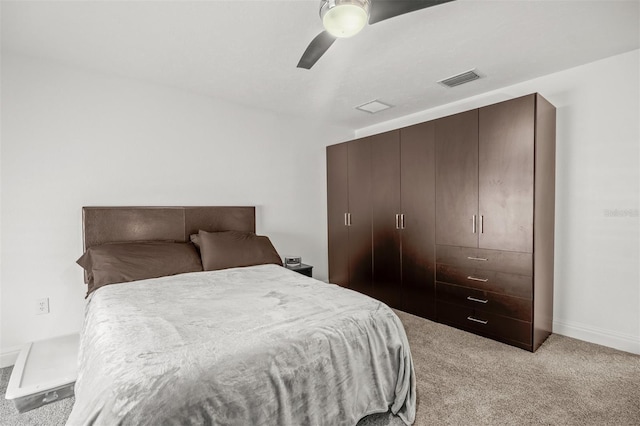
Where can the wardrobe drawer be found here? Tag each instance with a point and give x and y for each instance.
(496, 326)
(497, 282)
(491, 260)
(485, 301)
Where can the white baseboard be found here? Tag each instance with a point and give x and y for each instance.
(612, 339)
(8, 356)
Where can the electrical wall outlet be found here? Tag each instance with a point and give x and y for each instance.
(42, 306)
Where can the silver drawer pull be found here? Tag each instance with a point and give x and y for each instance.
(482, 280)
(483, 322)
(482, 259)
(473, 299)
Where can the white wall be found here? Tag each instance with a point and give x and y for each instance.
(72, 138)
(597, 249)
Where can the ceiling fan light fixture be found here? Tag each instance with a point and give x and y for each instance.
(344, 18)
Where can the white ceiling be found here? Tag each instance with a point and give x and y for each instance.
(246, 51)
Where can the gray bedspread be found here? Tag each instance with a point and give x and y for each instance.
(260, 345)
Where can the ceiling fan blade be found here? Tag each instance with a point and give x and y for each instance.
(316, 49)
(385, 9)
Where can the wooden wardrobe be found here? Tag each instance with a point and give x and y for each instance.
(452, 219)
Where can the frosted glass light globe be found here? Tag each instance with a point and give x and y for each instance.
(345, 20)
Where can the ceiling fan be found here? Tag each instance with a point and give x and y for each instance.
(345, 18)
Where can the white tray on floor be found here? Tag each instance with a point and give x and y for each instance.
(45, 372)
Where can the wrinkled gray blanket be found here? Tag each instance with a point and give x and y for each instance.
(260, 345)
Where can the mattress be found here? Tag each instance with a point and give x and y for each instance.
(259, 345)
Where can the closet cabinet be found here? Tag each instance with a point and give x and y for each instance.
(417, 194)
(495, 203)
(457, 179)
(349, 215)
(337, 208)
(484, 170)
(392, 175)
(452, 219)
(386, 218)
(402, 177)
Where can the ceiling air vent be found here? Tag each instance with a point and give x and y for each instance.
(459, 79)
(374, 106)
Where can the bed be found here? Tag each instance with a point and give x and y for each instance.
(245, 343)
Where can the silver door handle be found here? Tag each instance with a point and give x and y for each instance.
(397, 221)
(482, 224)
(473, 299)
(402, 221)
(483, 280)
(473, 223)
(483, 322)
(347, 219)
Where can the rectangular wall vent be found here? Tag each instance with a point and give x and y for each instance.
(459, 79)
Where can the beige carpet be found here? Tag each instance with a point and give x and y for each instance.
(464, 379)
(469, 380)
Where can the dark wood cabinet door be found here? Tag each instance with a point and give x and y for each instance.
(417, 151)
(505, 183)
(337, 208)
(360, 252)
(457, 179)
(385, 180)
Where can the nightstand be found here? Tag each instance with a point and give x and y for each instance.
(302, 269)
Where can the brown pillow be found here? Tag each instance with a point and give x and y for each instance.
(123, 262)
(230, 249)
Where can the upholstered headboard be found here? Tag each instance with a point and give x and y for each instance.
(110, 224)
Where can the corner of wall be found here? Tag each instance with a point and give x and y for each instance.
(8, 356)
